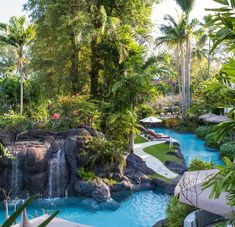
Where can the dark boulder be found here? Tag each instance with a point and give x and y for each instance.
(110, 205)
(90, 204)
(7, 138)
(179, 168)
(101, 193)
(90, 130)
(161, 223)
(36, 183)
(168, 186)
(96, 189)
(121, 190)
(135, 162)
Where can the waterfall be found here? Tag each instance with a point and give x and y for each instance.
(16, 176)
(57, 171)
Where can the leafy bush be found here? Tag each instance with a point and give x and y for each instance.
(203, 131)
(171, 123)
(212, 142)
(187, 124)
(105, 154)
(14, 121)
(228, 150)
(199, 165)
(177, 212)
(86, 175)
(77, 110)
(145, 111)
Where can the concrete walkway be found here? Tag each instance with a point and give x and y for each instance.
(153, 163)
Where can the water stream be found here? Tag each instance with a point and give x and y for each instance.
(56, 177)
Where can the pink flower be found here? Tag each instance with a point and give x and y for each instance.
(55, 116)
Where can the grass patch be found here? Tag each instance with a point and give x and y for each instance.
(160, 151)
(140, 139)
(158, 176)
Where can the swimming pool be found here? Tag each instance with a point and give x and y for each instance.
(193, 147)
(142, 209)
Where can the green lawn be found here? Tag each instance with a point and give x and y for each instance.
(140, 139)
(160, 152)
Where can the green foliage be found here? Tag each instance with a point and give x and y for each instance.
(14, 121)
(85, 174)
(197, 164)
(212, 142)
(223, 181)
(228, 150)
(177, 212)
(164, 88)
(171, 122)
(144, 111)
(76, 110)
(106, 154)
(203, 131)
(48, 220)
(4, 152)
(187, 124)
(119, 125)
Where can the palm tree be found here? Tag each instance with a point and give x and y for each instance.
(18, 36)
(199, 51)
(187, 6)
(174, 35)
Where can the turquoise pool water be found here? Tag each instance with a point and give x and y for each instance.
(142, 209)
(193, 147)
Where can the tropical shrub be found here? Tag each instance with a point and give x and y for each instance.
(4, 152)
(177, 212)
(77, 110)
(144, 111)
(228, 150)
(108, 155)
(85, 174)
(203, 131)
(187, 124)
(212, 142)
(199, 165)
(171, 123)
(14, 122)
(119, 125)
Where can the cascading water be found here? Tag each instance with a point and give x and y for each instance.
(57, 171)
(16, 176)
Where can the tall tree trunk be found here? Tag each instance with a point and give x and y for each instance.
(187, 73)
(209, 60)
(95, 59)
(183, 79)
(74, 74)
(178, 67)
(94, 73)
(131, 142)
(21, 94)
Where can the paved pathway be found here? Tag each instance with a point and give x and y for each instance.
(153, 163)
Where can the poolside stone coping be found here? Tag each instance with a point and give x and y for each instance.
(152, 162)
(56, 222)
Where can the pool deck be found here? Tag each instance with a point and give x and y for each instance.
(153, 163)
(56, 222)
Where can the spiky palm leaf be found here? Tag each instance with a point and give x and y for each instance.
(186, 5)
